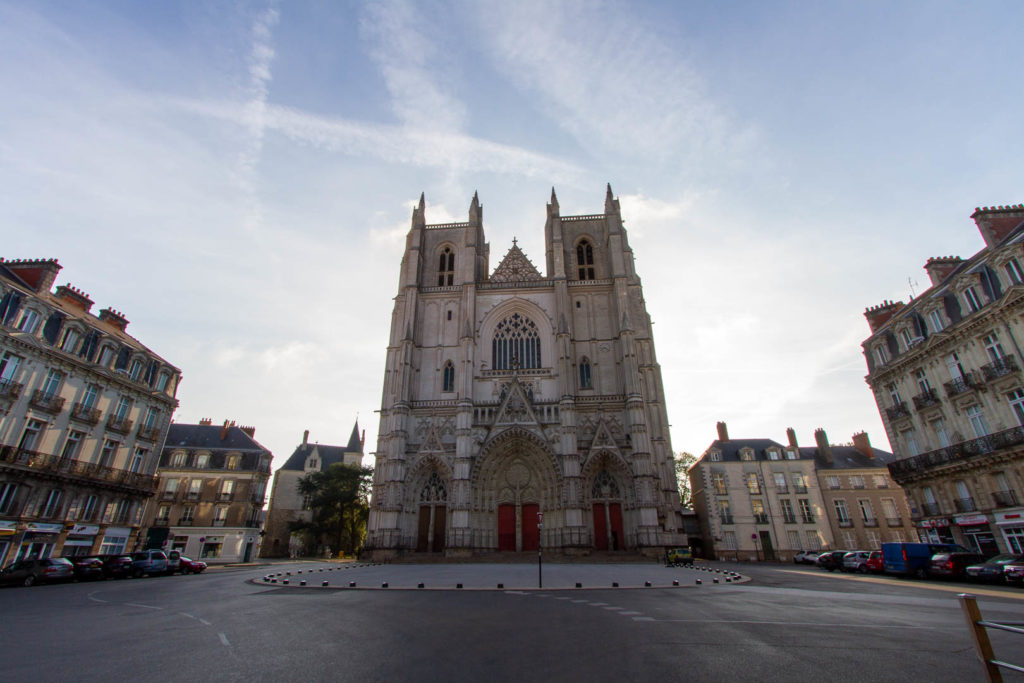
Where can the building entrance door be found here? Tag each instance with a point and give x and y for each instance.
(767, 547)
(531, 534)
(608, 526)
(507, 527)
(600, 528)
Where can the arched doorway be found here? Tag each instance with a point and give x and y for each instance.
(433, 500)
(606, 502)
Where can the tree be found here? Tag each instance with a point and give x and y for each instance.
(338, 498)
(683, 462)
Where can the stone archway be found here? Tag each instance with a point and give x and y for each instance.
(608, 483)
(516, 478)
(427, 498)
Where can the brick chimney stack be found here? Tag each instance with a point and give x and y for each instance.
(824, 449)
(723, 432)
(206, 422)
(863, 444)
(305, 437)
(940, 267)
(115, 318)
(251, 431)
(228, 424)
(791, 435)
(75, 297)
(880, 314)
(996, 222)
(39, 274)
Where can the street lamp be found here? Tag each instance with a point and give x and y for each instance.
(540, 543)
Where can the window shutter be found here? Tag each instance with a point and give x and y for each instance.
(952, 308)
(52, 327)
(122, 358)
(9, 307)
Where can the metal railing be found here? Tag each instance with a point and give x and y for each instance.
(1005, 498)
(931, 509)
(1001, 367)
(119, 424)
(84, 413)
(48, 401)
(761, 519)
(9, 389)
(845, 523)
(726, 519)
(982, 644)
(964, 504)
(960, 385)
(75, 468)
(897, 410)
(960, 451)
(871, 522)
(926, 399)
(799, 488)
(893, 521)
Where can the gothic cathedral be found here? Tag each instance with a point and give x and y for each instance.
(521, 409)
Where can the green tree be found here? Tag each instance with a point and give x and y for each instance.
(683, 462)
(338, 498)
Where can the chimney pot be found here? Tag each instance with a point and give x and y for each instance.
(305, 437)
(863, 444)
(224, 431)
(823, 446)
(723, 432)
(791, 435)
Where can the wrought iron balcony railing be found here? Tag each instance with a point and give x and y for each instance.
(845, 523)
(9, 389)
(1005, 498)
(46, 400)
(1001, 367)
(69, 467)
(761, 519)
(84, 413)
(931, 509)
(808, 519)
(902, 470)
(121, 425)
(926, 399)
(960, 385)
(726, 519)
(964, 504)
(148, 433)
(893, 521)
(799, 488)
(897, 410)
(185, 521)
(789, 519)
(871, 521)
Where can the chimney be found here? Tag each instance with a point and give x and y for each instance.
(880, 314)
(250, 431)
(115, 318)
(224, 431)
(75, 297)
(791, 435)
(206, 422)
(863, 444)
(305, 437)
(723, 432)
(996, 222)
(824, 449)
(940, 267)
(39, 274)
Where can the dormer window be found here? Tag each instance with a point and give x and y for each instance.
(715, 456)
(773, 454)
(971, 299)
(881, 356)
(29, 321)
(69, 342)
(935, 318)
(161, 381)
(135, 369)
(791, 454)
(585, 260)
(1013, 271)
(746, 454)
(446, 268)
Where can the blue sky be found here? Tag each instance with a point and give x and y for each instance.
(237, 178)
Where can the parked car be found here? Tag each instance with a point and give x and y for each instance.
(1013, 573)
(117, 566)
(173, 561)
(148, 563)
(952, 565)
(831, 560)
(189, 566)
(992, 568)
(856, 561)
(88, 568)
(806, 557)
(914, 559)
(30, 572)
(876, 564)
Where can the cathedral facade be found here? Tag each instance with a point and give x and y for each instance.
(522, 409)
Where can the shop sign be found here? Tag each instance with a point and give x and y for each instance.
(85, 529)
(7, 528)
(967, 520)
(934, 523)
(41, 528)
(1014, 517)
(118, 531)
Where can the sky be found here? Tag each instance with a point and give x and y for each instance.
(238, 178)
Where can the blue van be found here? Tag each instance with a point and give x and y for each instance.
(914, 559)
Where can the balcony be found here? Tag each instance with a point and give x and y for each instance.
(871, 522)
(1001, 367)
(226, 496)
(926, 399)
(75, 470)
(1004, 499)
(782, 489)
(219, 522)
(845, 523)
(185, 521)
(168, 495)
(86, 414)
(788, 519)
(961, 385)
(893, 521)
(148, 433)
(897, 411)
(161, 521)
(725, 519)
(964, 505)
(903, 470)
(931, 509)
(121, 425)
(47, 401)
(808, 519)
(10, 390)
(761, 519)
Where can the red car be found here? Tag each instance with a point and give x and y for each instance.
(189, 566)
(876, 563)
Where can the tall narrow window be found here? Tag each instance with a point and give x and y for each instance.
(137, 458)
(449, 377)
(1013, 270)
(516, 343)
(977, 420)
(585, 260)
(972, 300)
(7, 492)
(993, 347)
(446, 268)
(108, 453)
(1016, 399)
(51, 508)
(71, 445)
(29, 321)
(936, 319)
(8, 369)
(89, 396)
(585, 380)
(70, 340)
(52, 384)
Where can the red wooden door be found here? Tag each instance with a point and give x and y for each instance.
(531, 534)
(615, 516)
(422, 536)
(507, 527)
(600, 528)
(439, 528)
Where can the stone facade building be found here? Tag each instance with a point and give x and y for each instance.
(84, 408)
(287, 505)
(509, 394)
(212, 483)
(945, 370)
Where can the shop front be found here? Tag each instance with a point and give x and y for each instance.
(39, 540)
(115, 540)
(935, 531)
(1011, 526)
(7, 531)
(978, 534)
(80, 540)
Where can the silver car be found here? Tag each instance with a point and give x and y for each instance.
(856, 561)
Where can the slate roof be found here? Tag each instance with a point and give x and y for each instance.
(207, 437)
(730, 449)
(848, 458)
(329, 455)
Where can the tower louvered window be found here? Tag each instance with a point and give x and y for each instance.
(585, 260)
(516, 343)
(449, 377)
(446, 268)
(585, 381)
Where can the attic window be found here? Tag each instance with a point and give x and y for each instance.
(972, 300)
(773, 455)
(881, 357)
(790, 454)
(715, 457)
(746, 454)
(936, 319)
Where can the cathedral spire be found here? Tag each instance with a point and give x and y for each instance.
(419, 212)
(475, 210)
(553, 204)
(611, 205)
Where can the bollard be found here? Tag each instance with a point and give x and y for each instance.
(302, 583)
(351, 584)
(579, 585)
(675, 583)
(615, 584)
(384, 584)
(324, 583)
(419, 585)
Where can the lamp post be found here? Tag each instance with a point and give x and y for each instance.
(540, 543)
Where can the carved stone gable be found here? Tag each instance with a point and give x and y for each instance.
(515, 267)
(431, 441)
(517, 408)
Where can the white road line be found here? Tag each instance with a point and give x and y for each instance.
(629, 614)
(614, 607)
(204, 621)
(224, 640)
(643, 618)
(597, 604)
(136, 604)
(562, 598)
(90, 596)
(186, 614)
(814, 623)
(578, 602)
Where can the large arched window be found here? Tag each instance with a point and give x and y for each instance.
(585, 260)
(585, 381)
(449, 377)
(516, 343)
(446, 268)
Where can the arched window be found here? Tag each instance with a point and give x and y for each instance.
(446, 268)
(449, 377)
(585, 260)
(585, 374)
(516, 343)
(604, 486)
(434, 491)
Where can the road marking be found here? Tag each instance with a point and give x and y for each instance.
(597, 604)
(562, 598)
(515, 593)
(643, 618)
(629, 614)
(205, 622)
(814, 623)
(90, 596)
(903, 582)
(614, 607)
(224, 640)
(578, 602)
(136, 604)
(186, 614)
